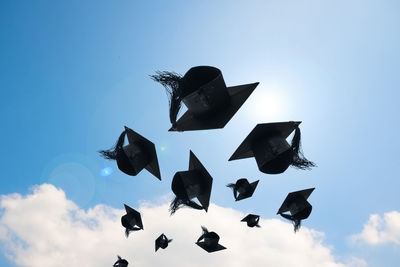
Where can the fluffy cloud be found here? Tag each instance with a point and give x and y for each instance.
(44, 228)
(380, 230)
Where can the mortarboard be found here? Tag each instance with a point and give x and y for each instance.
(132, 221)
(244, 188)
(162, 242)
(210, 241)
(194, 183)
(273, 154)
(251, 220)
(121, 262)
(210, 103)
(297, 205)
(131, 159)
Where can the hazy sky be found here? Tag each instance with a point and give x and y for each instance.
(73, 73)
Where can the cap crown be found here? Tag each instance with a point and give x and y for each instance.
(204, 90)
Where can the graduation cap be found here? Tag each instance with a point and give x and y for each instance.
(210, 103)
(132, 221)
(244, 188)
(121, 262)
(251, 220)
(194, 183)
(162, 242)
(267, 143)
(210, 241)
(131, 159)
(297, 205)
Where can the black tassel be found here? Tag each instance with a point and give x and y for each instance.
(169, 240)
(172, 84)
(177, 203)
(296, 222)
(127, 231)
(299, 161)
(233, 187)
(205, 230)
(116, 149)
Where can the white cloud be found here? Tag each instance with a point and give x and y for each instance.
(44, 229)
(380, 230)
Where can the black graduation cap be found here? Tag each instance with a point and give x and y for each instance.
(131, 159)
(194, 183)
(267, 143)
(244, 188)
(297, 205)
(210, 241)
(132, 221)
(203, 91)
(121, 262)
(252, 220)
(162, 242)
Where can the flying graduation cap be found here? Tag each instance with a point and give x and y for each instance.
(162, 242)
(210, 103)
(139, 154)
(244, 188)
(132, 221)
(194, 183)
(273, 154)
(210, 241)
(297, 205)
(251, 220)
(121, 262)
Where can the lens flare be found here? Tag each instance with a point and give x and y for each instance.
(106, 171)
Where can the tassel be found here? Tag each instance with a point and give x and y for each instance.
(296, 222)
(299, 161)
(233, 187)
(169, 240)
(205, 230)
(173, 85)
(114, 151)
(177, 203)
(127, 231)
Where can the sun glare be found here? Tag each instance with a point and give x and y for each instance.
(269, 103)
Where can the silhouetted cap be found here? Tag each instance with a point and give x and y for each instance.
(132, 221)
(251, 220)
(138, 154)
(194, 183)
(121, 262)
(267, 143)
(203, 91)
(162, 242)
(210, 241)
(244, 188)
(297, 205)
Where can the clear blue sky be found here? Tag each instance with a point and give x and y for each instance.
(74, 72)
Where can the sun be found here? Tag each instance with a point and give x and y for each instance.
(268, 103)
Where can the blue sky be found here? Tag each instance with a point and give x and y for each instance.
(73, 73)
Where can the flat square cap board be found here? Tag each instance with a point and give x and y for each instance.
(238, 95)
(152, 166)
(303, 193)
(253, 186)
(135, 214)
(261, 131)
(209, 249)
(195, 164)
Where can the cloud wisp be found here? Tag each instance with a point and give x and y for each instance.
(380, 230)
(44, 228)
